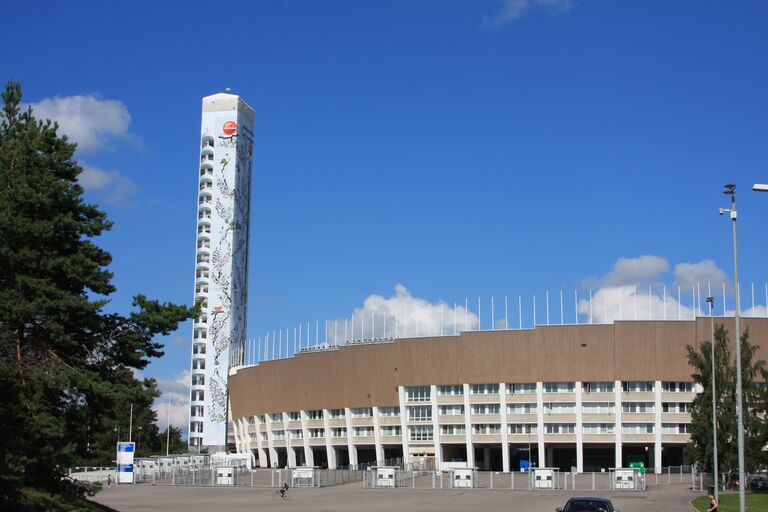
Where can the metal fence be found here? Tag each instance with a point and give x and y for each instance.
(241, 477)
(560, 480)
(91, 473)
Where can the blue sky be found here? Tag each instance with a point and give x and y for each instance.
(483, 148)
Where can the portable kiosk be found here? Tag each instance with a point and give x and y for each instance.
(386, 476)
(225, 476)
(544, 478)
(463, 478)
(304, 477)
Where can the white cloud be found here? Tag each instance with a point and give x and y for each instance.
(177, 389)
(113, 186)
(613, 303)
(688, 275)
(643, 270)
(635, 288)
(512, 10)
(410, 316)
(89, 121)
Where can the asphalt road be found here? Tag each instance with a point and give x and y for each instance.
(352, 497)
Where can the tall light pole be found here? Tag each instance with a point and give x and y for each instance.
(730, 190)
(711, 301)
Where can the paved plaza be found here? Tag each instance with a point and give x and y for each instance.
(352, 497)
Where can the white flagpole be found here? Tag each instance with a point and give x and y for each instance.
(576, 305)
(479, 318)
(724, 312)
(493, 315)
(130, 425)
(634, 298)
(317, 334)
(650, 305)
(280, 346)
(362, 325)
(373, 325)
(274, 339)
(287, 333)
(698, 297)
(466, 313)
(295, 346)
(258, 357)
(168, 427)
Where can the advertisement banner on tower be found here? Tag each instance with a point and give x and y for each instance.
(125, 453)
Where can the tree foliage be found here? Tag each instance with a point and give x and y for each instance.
(66, 365)
(700, 447)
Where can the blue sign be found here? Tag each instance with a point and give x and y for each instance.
(524, 465)
(125, 462)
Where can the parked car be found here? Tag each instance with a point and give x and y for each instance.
(587, 504)
(758, 483)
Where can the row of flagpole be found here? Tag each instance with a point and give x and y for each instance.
(277, 344)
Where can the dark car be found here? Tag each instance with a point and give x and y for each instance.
(759, 483)
(587, 504)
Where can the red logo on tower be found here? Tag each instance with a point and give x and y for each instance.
(229, 128)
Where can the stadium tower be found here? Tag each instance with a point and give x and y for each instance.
(221, 261)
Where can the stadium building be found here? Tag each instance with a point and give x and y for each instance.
(584, 396)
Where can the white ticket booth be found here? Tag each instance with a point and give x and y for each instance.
(304, 477)
(544, 478)
(225, 476)
(463, 478)
(386, 476)
(627, 479)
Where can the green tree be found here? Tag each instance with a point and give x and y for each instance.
(66, 365)
(700, 448)
(177, 444)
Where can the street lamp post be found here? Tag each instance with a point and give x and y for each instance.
(730, 190)
(716, 475)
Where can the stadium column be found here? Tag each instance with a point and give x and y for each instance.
(468, 428)
(657, 427)
(330, 453)
(377, 436)
(617, 427)
(291, 456)
(403, 423)
(579, 431)
(542, 459)
(436, 427)
(504, 428)
(251, 436)
(350, 438)
(308, 455)
(260, 442)
(236, 432)
(273, 459)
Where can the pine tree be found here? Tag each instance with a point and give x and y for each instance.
(66, 366)
(700, 447)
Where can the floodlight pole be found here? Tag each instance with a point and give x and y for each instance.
(730, 190)
(711, 301)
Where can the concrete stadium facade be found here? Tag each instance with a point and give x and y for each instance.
(585, 396)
